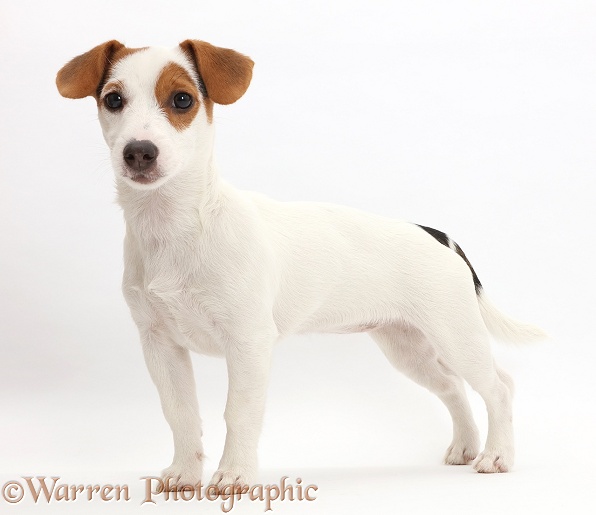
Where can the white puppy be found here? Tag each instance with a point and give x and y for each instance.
(219, 271)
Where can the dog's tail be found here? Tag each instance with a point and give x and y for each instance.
(498, 324)
(505, 328)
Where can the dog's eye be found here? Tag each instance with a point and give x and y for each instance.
(182, 100)
(113, 101)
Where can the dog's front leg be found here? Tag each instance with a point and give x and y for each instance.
(248, 374)
(170, 368)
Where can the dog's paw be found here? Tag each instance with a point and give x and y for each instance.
(458, 454)
(177, 476)
(237, 479)
(493, 461)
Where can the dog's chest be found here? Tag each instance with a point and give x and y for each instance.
(168, 289)
(185, 312)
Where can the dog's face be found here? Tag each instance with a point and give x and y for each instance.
(155, 104)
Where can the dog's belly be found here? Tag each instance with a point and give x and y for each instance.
(340, 325)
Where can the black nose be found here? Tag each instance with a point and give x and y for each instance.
(140, 155)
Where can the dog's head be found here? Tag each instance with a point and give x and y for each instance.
(155, 104)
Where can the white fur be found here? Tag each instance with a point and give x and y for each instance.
(215, 270)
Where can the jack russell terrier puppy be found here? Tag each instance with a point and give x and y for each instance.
(215, 270)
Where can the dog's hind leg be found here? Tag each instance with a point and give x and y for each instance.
(464, 346)
(410, 352)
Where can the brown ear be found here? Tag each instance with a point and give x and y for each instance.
(225, 73)
(81, 77)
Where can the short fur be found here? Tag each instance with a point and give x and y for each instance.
(215, 270)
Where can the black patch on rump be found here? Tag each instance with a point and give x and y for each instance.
(443, 239)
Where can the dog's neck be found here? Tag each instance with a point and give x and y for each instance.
(180, 209)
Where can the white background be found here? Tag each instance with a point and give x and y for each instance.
(478, 118)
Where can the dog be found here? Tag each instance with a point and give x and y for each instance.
(215, 270)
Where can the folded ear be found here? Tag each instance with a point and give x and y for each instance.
(225, 73)
(81, 77)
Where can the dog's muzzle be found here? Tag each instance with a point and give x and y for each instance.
(141, 158)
